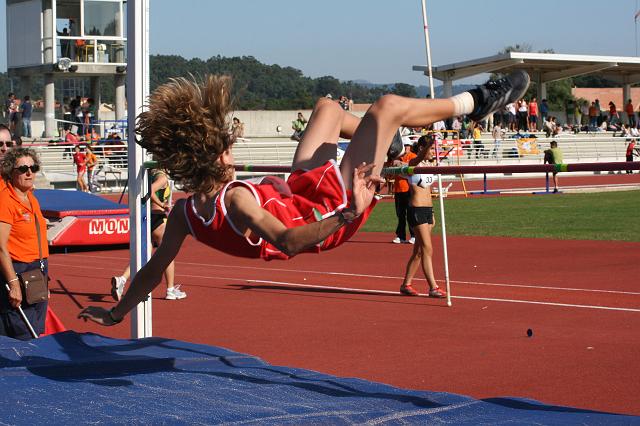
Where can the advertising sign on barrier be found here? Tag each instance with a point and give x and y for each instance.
(94, 230)
(450, 148)
(528, 146)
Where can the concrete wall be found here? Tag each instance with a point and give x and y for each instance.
(37, 122)
(265, 123)
(256, 123)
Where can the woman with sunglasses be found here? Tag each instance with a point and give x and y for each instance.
(20, 246)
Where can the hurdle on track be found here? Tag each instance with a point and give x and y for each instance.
(460, 170)
(455, 170)
(515, 168)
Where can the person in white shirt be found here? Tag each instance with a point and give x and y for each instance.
(456, 125)
(439, 127)
(511, 108)
(497, 134)
(523, 115)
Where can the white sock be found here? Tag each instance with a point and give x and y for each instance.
(463, 103)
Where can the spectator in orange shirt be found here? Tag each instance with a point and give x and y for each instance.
(613, 114)
(19, 248)
(401, 197)
(628, 108)
(593, 115)
(92, 162)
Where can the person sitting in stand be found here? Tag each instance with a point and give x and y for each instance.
(237, 128)
(321, 205)
(298, 126)
(70, 141)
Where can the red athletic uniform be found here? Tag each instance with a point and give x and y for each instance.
(80, 160)
(306, 197)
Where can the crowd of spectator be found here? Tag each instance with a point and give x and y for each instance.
(17, 115)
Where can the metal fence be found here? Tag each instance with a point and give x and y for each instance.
(111, 172)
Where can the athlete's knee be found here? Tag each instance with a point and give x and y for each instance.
(325, 102)
(390, 106)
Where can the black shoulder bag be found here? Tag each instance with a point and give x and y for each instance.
(34, 282)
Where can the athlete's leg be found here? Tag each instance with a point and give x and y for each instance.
(169, 273)
(412, 264)
(373, 136)
(423, 238)
(127, 272)
(319, 142)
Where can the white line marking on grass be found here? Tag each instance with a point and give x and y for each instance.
(369, 276)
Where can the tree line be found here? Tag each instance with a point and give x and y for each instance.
(274, 87)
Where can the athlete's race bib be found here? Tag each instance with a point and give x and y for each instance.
(423, 180)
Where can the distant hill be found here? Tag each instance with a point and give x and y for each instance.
(261, 86)
(421, 91)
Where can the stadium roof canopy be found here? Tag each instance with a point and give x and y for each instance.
(542, 67)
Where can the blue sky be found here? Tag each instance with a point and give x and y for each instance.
(380, 40)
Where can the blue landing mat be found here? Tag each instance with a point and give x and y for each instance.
(72, 378)
(56, 200)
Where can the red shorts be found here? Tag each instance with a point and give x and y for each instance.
(319, 193)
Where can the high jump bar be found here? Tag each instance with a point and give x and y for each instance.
(459, 170)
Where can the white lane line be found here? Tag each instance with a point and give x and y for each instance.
(384, 277)
(385, 292)
(360, 290)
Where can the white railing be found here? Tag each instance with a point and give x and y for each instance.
(58, 165)
(575, 149)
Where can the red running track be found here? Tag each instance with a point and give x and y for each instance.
(580, 298)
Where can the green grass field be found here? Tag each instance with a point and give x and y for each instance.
(588, 216)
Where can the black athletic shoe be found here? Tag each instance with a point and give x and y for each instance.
(496, 94)
(397, 147)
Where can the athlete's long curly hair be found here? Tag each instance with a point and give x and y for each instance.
(186, 129)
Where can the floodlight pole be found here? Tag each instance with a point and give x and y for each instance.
(440, 194)
(138, 91)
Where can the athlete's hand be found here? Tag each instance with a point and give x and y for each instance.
(97, 315)
(364, 187)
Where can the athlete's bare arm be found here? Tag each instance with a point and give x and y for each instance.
(150, 275)
(247, 215)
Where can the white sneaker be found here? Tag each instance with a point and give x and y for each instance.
(174, 293)
(397, 240)
(412, 240)
(117, 287)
